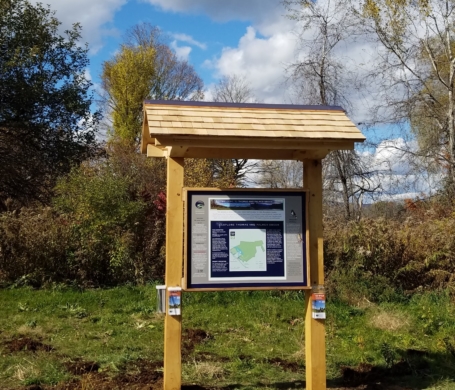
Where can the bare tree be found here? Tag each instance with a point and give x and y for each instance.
(232, 172)
(281, 174)
(320, 76)
(416, 68)
(233, 89)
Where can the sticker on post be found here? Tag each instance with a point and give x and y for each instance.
(175, 301)
(318, 306)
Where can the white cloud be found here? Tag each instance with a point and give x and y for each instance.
(87, 74)
(398, 172)
(182, 52)
(267, 48)
(189, 39)
(249, 10)
(92, 15)
(261, 61)
(261, 54)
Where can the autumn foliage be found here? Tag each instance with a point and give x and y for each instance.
(383, 258)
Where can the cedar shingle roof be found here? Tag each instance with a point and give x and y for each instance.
(246, 126)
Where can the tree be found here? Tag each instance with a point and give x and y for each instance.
(417, 70)
(321, 77)
(232, 172)
(46, 124)
(233, 89)
(281, 174)
(129, 78)
(145, 68)
(174, 79)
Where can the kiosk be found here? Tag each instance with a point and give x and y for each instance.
(176, 130)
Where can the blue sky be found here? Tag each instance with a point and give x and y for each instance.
(211, 35)
(249, 38)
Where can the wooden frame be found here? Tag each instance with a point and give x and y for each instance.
(277, 285)
(176, 130)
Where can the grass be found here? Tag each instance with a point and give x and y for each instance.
(249, 339)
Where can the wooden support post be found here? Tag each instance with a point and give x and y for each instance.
(174, 263)
(314, 329)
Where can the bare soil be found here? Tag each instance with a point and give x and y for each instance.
(26, 344)
(191, 338)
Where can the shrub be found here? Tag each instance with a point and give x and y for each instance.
(107, 226)
(379, 259)
(33, 245)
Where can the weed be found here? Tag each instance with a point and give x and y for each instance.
(449, 346)
(388, 354)
(31, 324)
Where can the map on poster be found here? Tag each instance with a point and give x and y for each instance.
(247, 250)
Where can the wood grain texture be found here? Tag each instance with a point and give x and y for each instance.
(314, 329)
(173, 277)
(249, 123)
(259, 143)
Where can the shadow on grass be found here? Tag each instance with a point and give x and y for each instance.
(410, 369)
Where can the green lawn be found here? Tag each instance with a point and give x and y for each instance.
(231, 339)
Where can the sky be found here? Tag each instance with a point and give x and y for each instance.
(253, 39)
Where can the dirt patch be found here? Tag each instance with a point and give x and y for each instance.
(80, 367)
(196, 336)
(27, 344)
(191, 338)
(139, 375)
(284, 364)
(141, 372)
(357, 375)
(366, 373)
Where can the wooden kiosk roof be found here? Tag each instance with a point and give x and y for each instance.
(254, 131)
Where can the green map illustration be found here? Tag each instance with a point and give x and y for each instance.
(247, 250)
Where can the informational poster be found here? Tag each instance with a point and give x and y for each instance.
(318, 306)
(175, 301)
(247, 238)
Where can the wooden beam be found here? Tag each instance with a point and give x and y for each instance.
(252, 154)
(314, 329)
(255, 154)
(254, 143)
(174, 263)
(153, 151)
(177, 151)
(145, 139)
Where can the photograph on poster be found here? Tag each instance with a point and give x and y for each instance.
(318, 306)
(246, 239)
(175, 301)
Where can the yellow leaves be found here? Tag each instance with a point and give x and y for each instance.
(128, 79)
(198, 173)
(424, 7)
(371, 9)
(395, 12)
